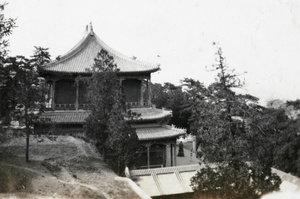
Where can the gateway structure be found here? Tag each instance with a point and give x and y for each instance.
(67, 104)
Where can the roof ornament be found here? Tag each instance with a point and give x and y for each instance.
(91, 29)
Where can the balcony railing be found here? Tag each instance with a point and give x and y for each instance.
(85, 106)
(136, 104)
(70, 106)
(152, 166)
(65, 107)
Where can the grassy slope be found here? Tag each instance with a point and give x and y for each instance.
(63, 167)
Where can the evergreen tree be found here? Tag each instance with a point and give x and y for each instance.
(6, 28)
(218, 114)
(238, 181)
(25, 93)
(219, 120)
(172, 97)
(106, 123)
(41, 56)
(122, 141)
(103, 87)
(287, 157)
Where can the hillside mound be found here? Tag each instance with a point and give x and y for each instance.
(59, 167)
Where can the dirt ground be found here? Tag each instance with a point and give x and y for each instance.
(59, 167)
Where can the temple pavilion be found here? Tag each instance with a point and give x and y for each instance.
(67, 102)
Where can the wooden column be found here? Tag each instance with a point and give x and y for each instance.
(175, 154)
(53, 95)
(121, 81)
(164, 156)
(149, 91)
(77, 94)
(171, 149)
(148, 156)
(142, 96)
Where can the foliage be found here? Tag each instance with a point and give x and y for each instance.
(172, 97)
(24, 92)
(295, 103)
(122, 140)
(22, 82)
(41, 56)
(106, 124)
(226, 125)
(102, 89)
(285, 136)
(237, 180)
(196, 95)
(159, 96)
(273, 138)
(266, 128)
(218, 114)
(287, 157)
(6, 28)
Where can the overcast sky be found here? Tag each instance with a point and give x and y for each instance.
(259, 37)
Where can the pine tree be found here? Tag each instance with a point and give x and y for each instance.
(26, 93)
(219, 120)
(6, 28)
(106, 123)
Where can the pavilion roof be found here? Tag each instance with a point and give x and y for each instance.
(79, 116)
(158, 132)
(156, 182)
(152, 113)
(144, 132)
(82, 56)
(65, 117)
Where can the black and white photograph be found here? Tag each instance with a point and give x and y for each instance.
(141, 99)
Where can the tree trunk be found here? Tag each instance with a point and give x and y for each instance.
(27, 147)
(104, 154)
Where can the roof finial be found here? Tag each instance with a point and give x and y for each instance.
(91, 29)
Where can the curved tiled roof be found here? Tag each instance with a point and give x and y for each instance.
(65, 117)
(143, 132)
(82, 56)
(159, 132)
(80, 116)
(155, 171)
(151, 113)
(156, 182)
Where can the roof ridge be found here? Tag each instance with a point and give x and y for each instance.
(121, 55)
(73, 51)
(83, 55)
(181, 168)
(173, 127)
